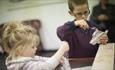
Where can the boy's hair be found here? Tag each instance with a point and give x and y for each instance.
(17, 37)
(76, 2)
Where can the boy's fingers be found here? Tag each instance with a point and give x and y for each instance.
(104, 40)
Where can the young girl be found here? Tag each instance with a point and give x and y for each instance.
(20, 42)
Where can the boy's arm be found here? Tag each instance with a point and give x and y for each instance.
(66, 30)
(63, 32)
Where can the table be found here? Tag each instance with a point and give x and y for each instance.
(104, 59)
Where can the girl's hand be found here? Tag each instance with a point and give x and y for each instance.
(62, 60)
(64, 46)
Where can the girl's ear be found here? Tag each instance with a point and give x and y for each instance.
(71, 13)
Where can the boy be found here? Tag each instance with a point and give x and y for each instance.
(78, 33)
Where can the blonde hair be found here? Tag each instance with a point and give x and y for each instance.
(17, 37)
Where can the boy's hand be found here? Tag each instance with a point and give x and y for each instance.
(99, 37)
(103, 39)
(82, 24)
